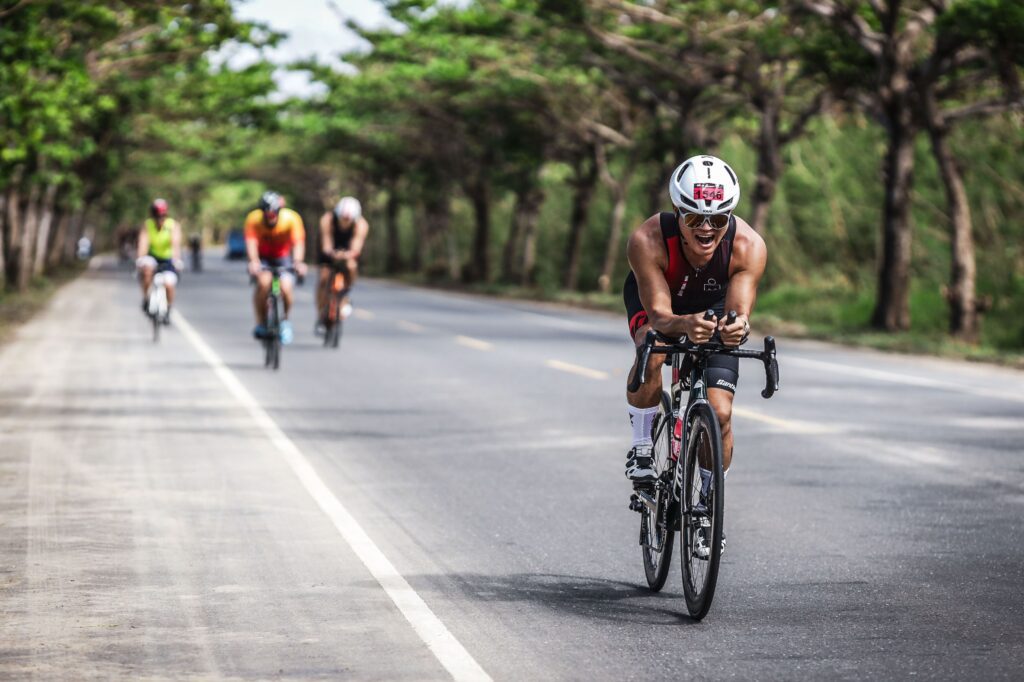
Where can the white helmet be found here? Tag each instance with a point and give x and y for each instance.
(348, 207)
(705, 185)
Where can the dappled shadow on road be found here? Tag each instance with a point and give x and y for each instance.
(585, 597)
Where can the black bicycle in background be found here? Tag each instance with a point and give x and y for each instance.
(681, 498)
(272, 337)
(337, 290)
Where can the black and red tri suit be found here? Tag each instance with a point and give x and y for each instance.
(693, 289)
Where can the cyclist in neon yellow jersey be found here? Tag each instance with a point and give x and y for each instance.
(159, 251)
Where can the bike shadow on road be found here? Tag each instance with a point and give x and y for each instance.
(585, 597)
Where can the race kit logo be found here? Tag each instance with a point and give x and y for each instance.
(708, 191)
(712, 285)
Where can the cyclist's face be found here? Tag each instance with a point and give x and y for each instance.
(270, 218)
(702, 233)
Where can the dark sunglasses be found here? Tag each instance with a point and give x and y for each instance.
(695, 220)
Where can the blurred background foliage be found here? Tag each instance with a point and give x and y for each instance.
(513, 145)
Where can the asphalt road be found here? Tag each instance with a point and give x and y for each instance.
(178, 511)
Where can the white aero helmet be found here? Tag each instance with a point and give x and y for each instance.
(349, 208)
(705, 185)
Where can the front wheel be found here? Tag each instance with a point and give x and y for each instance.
(273, 338)
(703, 505)
(657, 527)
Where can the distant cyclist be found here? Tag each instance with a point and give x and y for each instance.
(159, 250)
(698, 257)
(273, 235)
(343, 233)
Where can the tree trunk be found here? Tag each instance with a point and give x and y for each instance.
(620, 192)
(963, 305)
(769, 169)
(43, 231)
(892, 308)
(583, 191)
(440, 253)
(30, 224)
(529, 214)
(76, 228)
(394, 252)
(3, 228)
(509, 262)
(13, 230)
(479, 269)
(54, 256)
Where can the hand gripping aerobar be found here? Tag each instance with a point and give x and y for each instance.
(671, 346)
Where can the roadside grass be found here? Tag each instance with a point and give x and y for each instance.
(17, 307)
(827, 310)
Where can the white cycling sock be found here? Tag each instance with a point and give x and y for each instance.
(641, 418)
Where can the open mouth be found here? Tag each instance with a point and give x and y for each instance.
(705, 239)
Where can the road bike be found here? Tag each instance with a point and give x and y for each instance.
(331, 315)
(157, 308)
(689, 498)
(272, 336)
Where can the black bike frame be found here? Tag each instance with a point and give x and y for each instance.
(678, 351)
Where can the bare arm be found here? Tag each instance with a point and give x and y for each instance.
(326, 234)
(359, 238)
(252, 248)
(143, 243)
(176, 241)
(750, 255)
(647, 258)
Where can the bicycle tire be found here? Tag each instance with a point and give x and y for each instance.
(703, 448)
(657, 563)
(156, 327)
(336, 333)
(273, 338)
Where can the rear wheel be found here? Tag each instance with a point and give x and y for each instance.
(703, 506)
(657, 527)
(273, 339)
(154, 317)
(335, 331)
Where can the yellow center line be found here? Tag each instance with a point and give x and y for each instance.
(576, 369)
(409, 326)
(476, 344)
(791, 425)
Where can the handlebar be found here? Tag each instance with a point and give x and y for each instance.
(684, 345)
(276, 271)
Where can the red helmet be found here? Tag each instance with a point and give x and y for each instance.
(158, 208)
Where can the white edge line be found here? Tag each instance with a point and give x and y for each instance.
(442, 643)
(470, 342)
(896, 378)
(576, 369)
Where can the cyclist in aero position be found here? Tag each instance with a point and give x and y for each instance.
(159, 250)
(683, 263)
(343, 233)
(271, 234)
